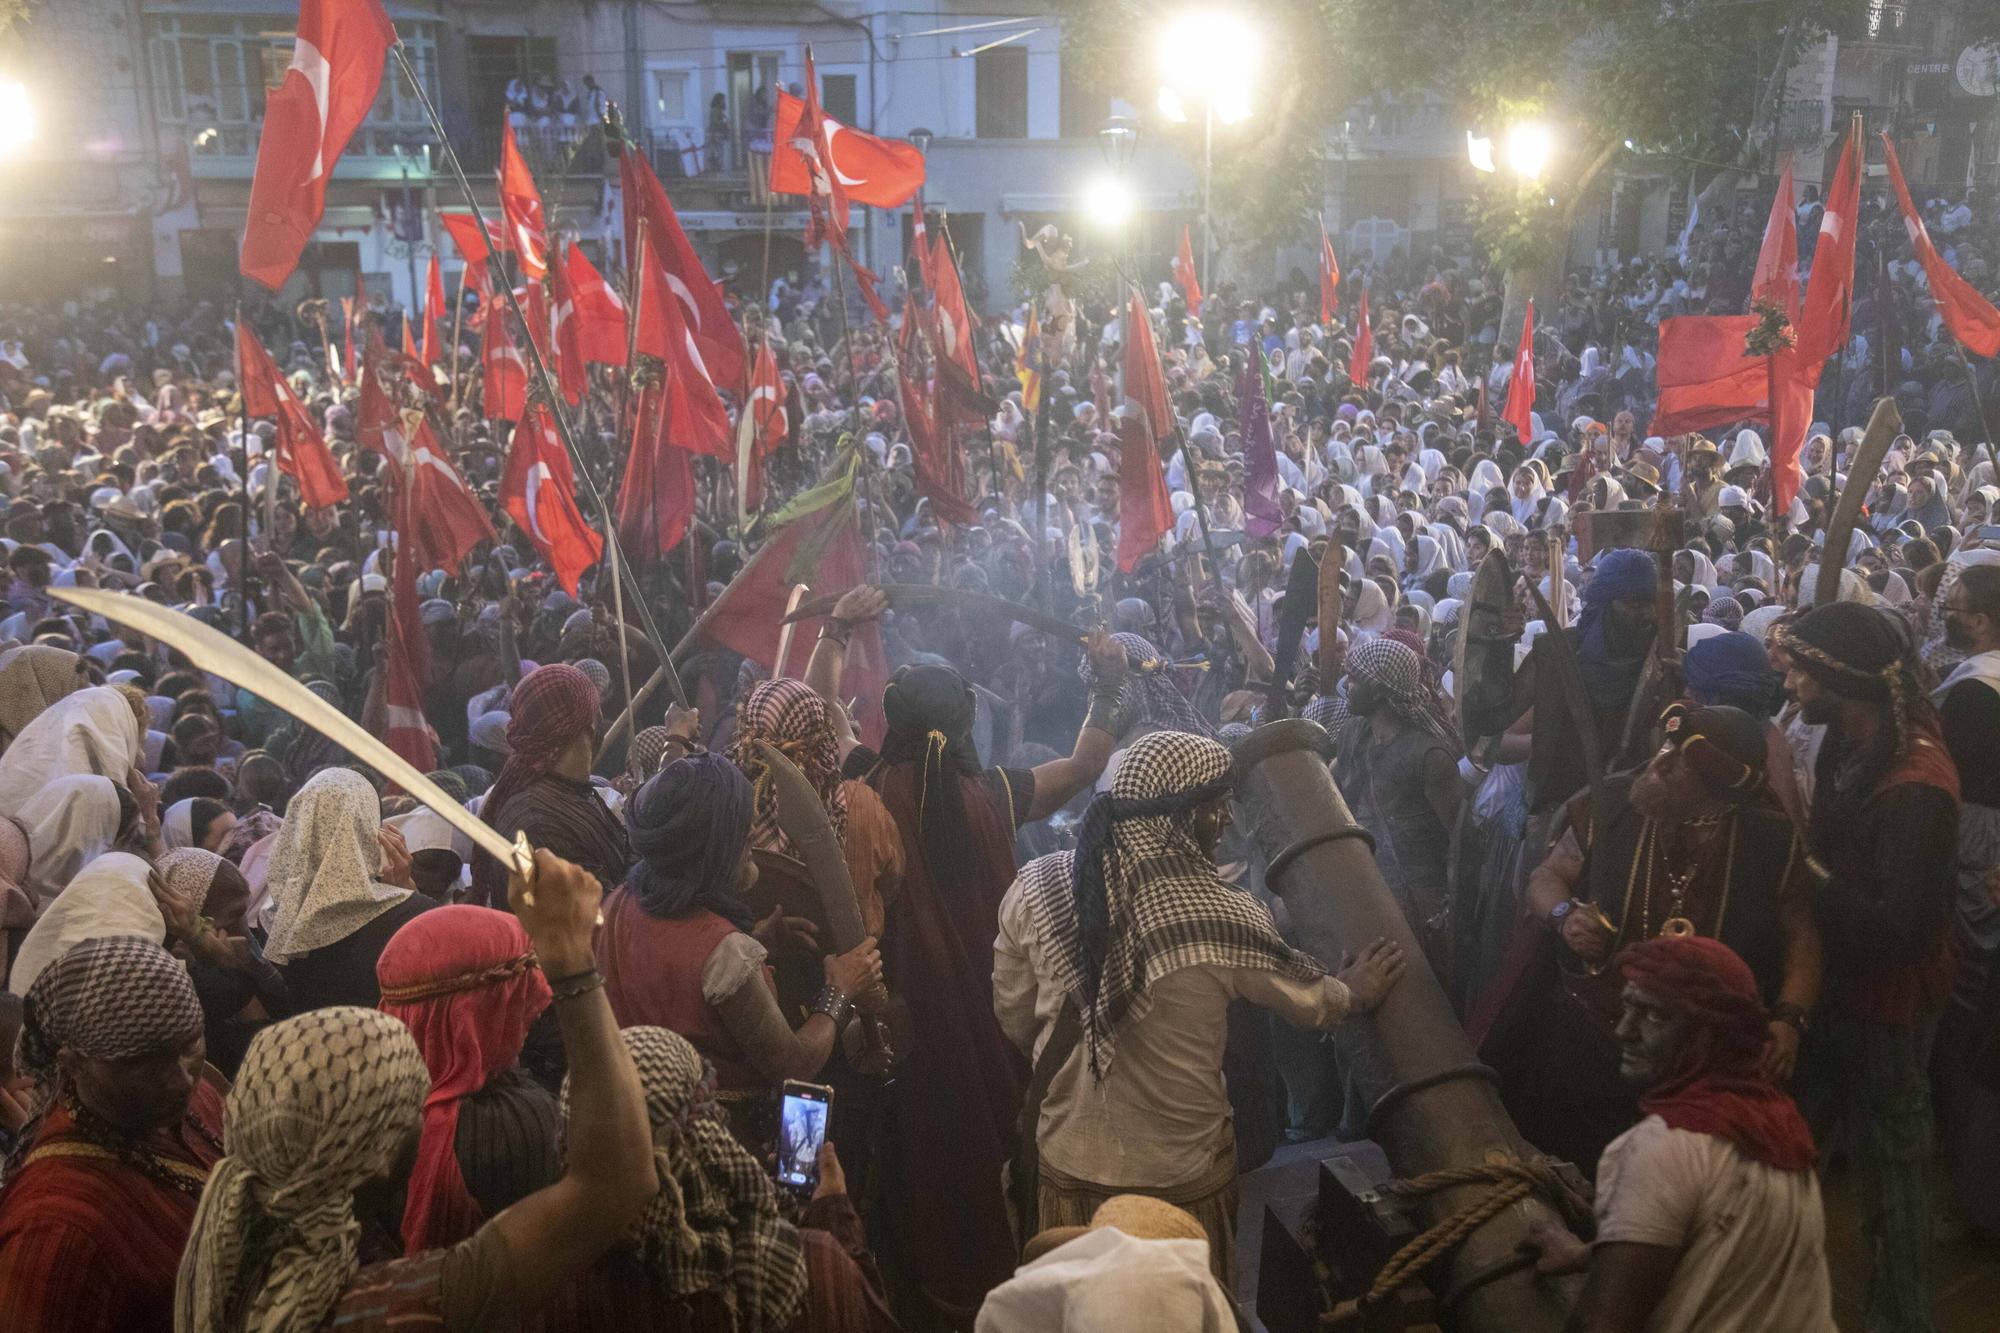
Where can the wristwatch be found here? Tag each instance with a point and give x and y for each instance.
(1795, 1015)
(1560, 913)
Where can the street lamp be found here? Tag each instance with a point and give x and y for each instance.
(1527, 147)
(1108, 203)
(17, 117)
(1209, 56)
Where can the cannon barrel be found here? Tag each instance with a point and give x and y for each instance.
(1433, 1106)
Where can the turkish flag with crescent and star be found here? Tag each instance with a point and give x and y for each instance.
(883, 173)
(328, 91)
(301, 451)
(521, 202)
(539, 494)
(1184, 275)
(702, 307)
(826, 197)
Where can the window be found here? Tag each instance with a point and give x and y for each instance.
(211, 74)
(837, 97)
(671, 89)
(1000, 86)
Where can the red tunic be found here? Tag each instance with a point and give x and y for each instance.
(652, 976)
(89, 1244)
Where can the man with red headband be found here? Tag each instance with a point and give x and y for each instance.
(1708, 1210)
(1693, 843)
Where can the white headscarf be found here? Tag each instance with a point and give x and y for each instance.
(110, 896)
(1371, 608)
(69, 823)
(91, 731)
(1107, 1279)
(322, 881)
(177, 825)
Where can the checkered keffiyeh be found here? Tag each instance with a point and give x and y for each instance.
(787, 714)
(110, 998)
(1395, 670)
(1148, 694)
(714, 1225)
(1138, 899)
(322, 1102)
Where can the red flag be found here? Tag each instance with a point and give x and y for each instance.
(301, 453)
(1144, 383)
(1830, 288)
(1329, 276)
(1520, 409)
(1363, 354)
(597, 314)
(704, 311)
(1184, 275)
(377, 423)
(1145, 510)
(404, 729)
(920, 241)
(1970, 316)
(410, 348)
(935, 457)
(328, 91)
(452, 519)
(881, 172)
(1706, 379)
(957, 361)
(696, 419)
(521, 203)
(820, 545)
(826, 199)
(539, 493)
(770, 423)
(656, 494)
(506, 369)
(868, 280)
(432, 353)
(1777, 277)
(474, 245)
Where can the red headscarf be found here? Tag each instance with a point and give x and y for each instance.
(549, 709)
(464, 981)
(1720, 1087)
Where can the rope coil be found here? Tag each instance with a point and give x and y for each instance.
(1510, 1180)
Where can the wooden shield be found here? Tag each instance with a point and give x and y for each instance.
(1483, 664)
(1332, 609)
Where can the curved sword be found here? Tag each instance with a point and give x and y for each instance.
(223, 656)
(925, 594)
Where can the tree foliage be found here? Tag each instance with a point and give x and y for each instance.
(1690, 78)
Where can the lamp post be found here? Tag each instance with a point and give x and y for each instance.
(1207, 55)
(409, 236)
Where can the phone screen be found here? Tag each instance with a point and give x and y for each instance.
(801, 1132)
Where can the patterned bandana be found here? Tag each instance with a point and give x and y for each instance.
(1151, 903)
(322, 878)
(1396, 671)
(1149, 695)
(787, 714)
(714, 1225)
(322, 1102)
(110, 998)
(549, 709)
(186, 874)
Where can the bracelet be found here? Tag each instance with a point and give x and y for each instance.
(574, 987)
(1792, 1014)
(840, 635)
(1104, 709)
(834, 1004)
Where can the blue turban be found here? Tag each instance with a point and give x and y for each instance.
(1610, 676)
(1732, 669)
(689, 825)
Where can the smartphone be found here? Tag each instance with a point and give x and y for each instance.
(1989, 532)
(802, 1120)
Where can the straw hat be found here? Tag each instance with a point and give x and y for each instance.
(1137, 1215)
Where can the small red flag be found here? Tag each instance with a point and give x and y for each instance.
(474, 245)
(301, 452)
(1145, 510)
(1184, 275)
(539, 494)
(328, 91)
(957, 361)
(1144, 382)
(506, 369)
(1777, 277)
(826, 200)
(656, 494)
(432, 352)
(404, 730)
(1520, 410)
(453, 520)
(521, 202)
(1329, 277)
(1969, 315)
(1363, 355)
(706, 313)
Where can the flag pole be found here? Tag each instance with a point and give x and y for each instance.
(243, 449)
(550, 392)
(1972, 383)
(457, 330)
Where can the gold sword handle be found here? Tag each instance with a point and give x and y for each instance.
(521, 860)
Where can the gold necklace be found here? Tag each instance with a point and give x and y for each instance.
(1677, 924)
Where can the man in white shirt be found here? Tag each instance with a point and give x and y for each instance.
(1708, 1210)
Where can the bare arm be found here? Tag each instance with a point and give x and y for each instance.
(1441, 787)
(556, 1233)
(1556, 879)
(829, 655)
(1627, 1283)
(1060, 779)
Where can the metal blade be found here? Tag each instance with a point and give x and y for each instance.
(221, 655)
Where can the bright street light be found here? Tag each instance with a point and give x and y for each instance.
(1108, 203)
(17, 116)
(1479, 152)
(1210, 56)
(1530, 145)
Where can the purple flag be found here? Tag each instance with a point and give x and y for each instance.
(1261, 514)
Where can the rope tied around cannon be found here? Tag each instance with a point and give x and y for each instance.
(1509, 1179)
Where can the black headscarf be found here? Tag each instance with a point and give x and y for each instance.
(689, 825)
(929, 712)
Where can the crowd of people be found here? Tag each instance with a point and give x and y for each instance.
(1709, 869)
